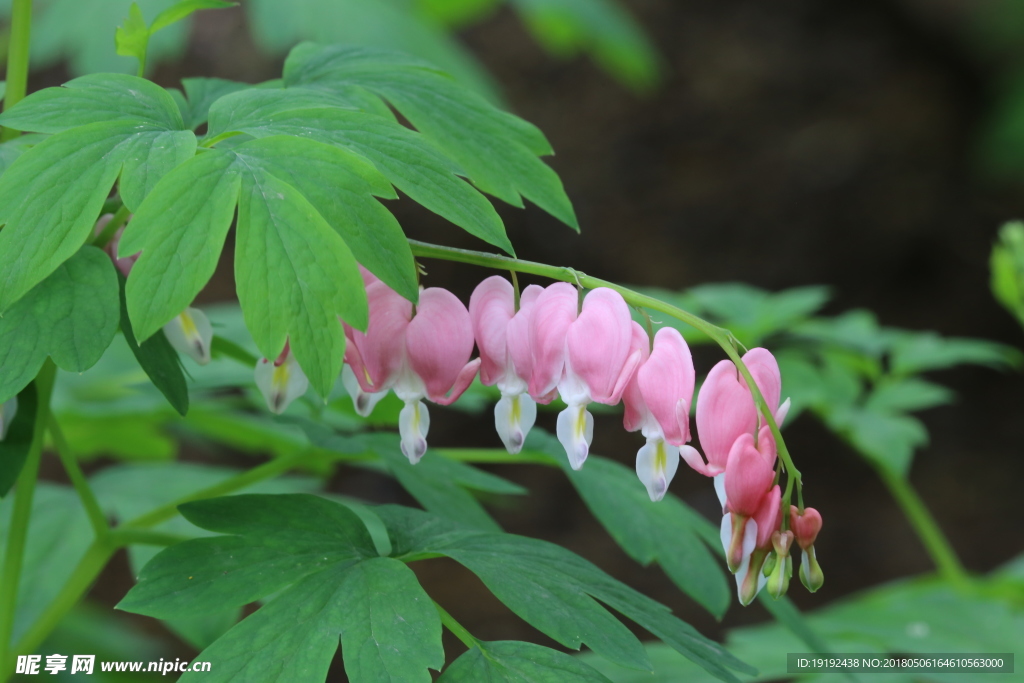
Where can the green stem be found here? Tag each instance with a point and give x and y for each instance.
(17, 59)
(10, 571)
(124, 537)
(100, 526)
(721, 336)
(239, 481)
(214, 140)
(935, 542)
(457, 629)
(110, 229)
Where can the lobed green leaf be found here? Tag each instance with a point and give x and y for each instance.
(667, 532)
(404, 156)
(517, 662)
(497, 150)
(71, 316)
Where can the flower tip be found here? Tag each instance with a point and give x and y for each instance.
(191, 334)
(414, 449)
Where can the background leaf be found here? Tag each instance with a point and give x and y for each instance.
(518, 662)
(157, 358)
(71, 316)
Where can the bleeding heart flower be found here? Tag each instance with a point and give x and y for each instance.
(726, 410)
(281, 381)
(421, 356)
(595, 362)
(657, 401)
(191, 334)
(748, 477)
(502, 336)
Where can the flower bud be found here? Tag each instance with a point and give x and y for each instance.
(782, 569)
(811, 575)
(806, 524)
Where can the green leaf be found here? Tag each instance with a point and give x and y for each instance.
(128, 491)
(15, 445)
(437, 483)
(907, 395)
(79, 33)
(71, 316)
(132, 38)
(54, 192)
(753, 314)
(10, 150)
(518, 662)
(405, 158)
(132, 436)
(497, 150)
(342, 188)
(203, 92)
(97, 98)
(905, 618)
(58, 535)
(180, 230)
(667, 532)
(320, 553)
(886, 439)
(157, 358)
(279, 539)
(388, 24)
(915, 352)
(295, 273)
(183, 9)
(389, 628)
(601, 27)
(556, 591)
(456, 13)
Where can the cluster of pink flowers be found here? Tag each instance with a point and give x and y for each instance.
(741, 457)
(547, 343)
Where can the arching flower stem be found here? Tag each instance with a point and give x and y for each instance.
(719, 335)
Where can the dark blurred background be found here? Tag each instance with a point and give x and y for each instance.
(852, 143)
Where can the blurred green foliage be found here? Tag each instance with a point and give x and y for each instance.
(81, 32)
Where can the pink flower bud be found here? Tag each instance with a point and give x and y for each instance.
(805, 525)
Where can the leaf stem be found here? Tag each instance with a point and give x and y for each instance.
(100, 526)
(124, 537)
(119, 218)
(457, 629)
(10, 570)
(935, 542)
(210, 142)
(17, 59)
(721, 336)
